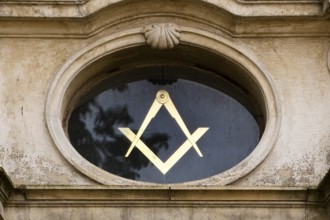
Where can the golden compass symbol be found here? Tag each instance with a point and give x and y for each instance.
(163, 98)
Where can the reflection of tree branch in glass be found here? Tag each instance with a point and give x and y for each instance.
(104, 128)
(102, 146)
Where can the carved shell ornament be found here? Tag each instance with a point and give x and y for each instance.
(162, 36)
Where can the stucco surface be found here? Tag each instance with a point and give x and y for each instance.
(298, 67)
(27, 151)
(287, 41)
(164, 213)
(301, 154)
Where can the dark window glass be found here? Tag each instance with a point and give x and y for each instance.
(232, 134)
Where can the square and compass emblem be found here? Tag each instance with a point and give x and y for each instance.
(163, 99)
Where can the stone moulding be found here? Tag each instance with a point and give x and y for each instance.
(162, 36)
(6, 188)
(325, 6)
(67, 78)
(217, 19)
(85, 8)
(328, 59)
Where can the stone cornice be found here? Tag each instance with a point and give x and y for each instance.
(110, 17)
(48, 2)
(168, 197)
(158, 196)
(85, 8)
(324, 187)
(326, 8)
(6, 186)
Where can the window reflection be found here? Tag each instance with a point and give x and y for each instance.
(93, 131)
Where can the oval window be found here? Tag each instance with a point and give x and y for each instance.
(165, 125)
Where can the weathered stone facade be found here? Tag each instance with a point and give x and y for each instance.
(49, 50)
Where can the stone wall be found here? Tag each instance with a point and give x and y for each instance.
(285, 42)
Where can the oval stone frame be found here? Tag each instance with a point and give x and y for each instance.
(89, 63)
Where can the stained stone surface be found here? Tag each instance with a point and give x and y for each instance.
(288, 41)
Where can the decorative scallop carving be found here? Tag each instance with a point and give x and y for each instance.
(162, 36)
